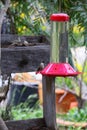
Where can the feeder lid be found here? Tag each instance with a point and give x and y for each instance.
(59, 69)
(61, 17)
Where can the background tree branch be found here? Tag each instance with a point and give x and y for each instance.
(2, 14)
(2, 125)
(3, 11)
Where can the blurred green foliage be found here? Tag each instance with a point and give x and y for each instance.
(22, 110)
(76, 115)
(31, 17)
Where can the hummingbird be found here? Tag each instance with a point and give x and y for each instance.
(41, 67)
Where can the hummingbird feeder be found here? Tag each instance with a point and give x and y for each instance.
(58, 65)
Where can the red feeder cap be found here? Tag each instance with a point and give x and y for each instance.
(61, 17)
(59, 69)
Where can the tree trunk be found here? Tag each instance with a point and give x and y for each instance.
(2, 14)
(2, 125)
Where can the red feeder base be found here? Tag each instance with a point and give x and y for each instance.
(59, 69)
